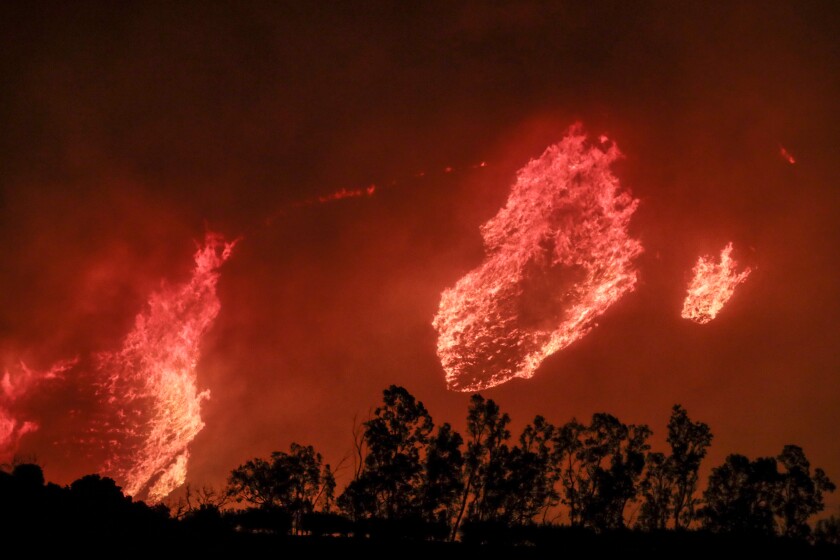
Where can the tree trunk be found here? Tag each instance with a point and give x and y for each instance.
(457, 524)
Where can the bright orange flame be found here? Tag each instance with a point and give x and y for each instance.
(712, 286)
(15, 385)
(151, 382)
(558, 256)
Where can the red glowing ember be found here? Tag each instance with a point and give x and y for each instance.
(558, 256)
(150, 384)
(712, 286)
(786, 155)
(348, 193)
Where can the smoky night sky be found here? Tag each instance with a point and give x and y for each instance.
(129, 131)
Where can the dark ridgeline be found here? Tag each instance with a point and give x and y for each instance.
(593, 487)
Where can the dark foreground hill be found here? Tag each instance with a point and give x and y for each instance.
(176, 540)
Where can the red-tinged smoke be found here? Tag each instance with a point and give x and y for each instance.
(558, 256)
(712, 285)
(149, 385)
(16, 384)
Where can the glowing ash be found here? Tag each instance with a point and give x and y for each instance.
(150, 384)
(712, 286)
(558, 256)
(347, 193)
(16, 384)
(786, 155)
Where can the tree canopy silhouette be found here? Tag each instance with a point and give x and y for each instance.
(670, 481)
(294, 482)
(570, 483)
(754, 496)
(390, 483)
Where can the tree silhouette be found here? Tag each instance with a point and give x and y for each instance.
(98, 492)
(657, 489)
(390, 482)
(568, 460)
(442, 479)
(90, 508)
(486, 432)
(253, 482)
(22, 497)
(293, 482)
(199, 497)
(689, 442)
(28, 475)
(827, 531)
(740, 496)
(616, 482)
(533, 475)
(601, 465)
(800, 495)
(752, 496)
(670, 482)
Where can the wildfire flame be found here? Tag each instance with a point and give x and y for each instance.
(558, 256)
(15, 385)
(712, 286)
(150, 383)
